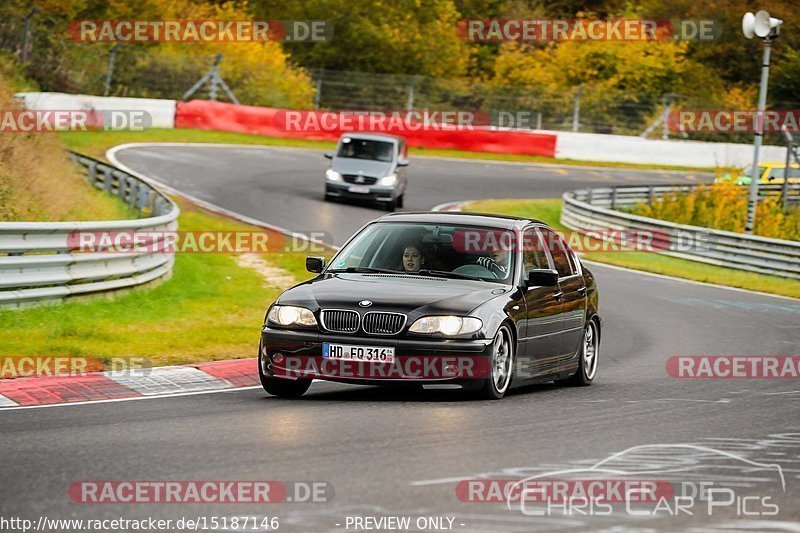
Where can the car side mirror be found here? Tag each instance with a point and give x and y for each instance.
(402, 162)
(542, 277)
(315, 264)
(328, 155)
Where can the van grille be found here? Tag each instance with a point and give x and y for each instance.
(353, 178)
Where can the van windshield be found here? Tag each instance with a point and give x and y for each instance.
(366, 149)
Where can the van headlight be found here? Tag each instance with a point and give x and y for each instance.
(332, 175)
(291, 315)
(388, 181)
(446, 325)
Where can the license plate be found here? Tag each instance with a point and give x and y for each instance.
(370, 354)
(360, 189)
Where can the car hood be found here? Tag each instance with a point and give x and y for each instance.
(417, 295)
(367, 167)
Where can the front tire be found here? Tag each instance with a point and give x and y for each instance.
(501, 366)
(283, 388)
(587, 363)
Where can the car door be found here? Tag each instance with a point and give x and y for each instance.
(543, 308)
(573, 292)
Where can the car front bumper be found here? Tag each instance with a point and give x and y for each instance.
(376, 192)
(443, 361)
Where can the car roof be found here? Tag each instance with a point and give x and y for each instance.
(373, 137)
(460, 217)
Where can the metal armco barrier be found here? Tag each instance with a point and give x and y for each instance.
(587, 210)
(38, 260)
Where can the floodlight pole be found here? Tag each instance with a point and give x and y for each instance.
(752, 201)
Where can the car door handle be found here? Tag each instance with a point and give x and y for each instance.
(582, 290)
(557, 296)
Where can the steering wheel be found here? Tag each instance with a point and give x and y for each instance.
(477, 271)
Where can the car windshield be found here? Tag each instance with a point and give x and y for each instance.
(448, 251)
(366, 149)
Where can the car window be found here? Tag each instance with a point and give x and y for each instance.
(354, 148)
(533, 254)
(468, 252)
(558, 252)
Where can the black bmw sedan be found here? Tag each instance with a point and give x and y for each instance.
(461, 300)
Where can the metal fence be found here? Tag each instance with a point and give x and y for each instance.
(589, 210)
(39, 262)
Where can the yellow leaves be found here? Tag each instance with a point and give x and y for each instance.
(740, 97)
(724, 206)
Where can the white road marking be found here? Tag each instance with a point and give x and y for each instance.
(6, 402)
(168, 380)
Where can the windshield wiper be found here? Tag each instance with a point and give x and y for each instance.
(447, 274)
(365, 270)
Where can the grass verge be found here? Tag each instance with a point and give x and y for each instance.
(549, 211)
(96, 143)
(210, 309)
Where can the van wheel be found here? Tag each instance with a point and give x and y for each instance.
(389, 206)
(400, 200)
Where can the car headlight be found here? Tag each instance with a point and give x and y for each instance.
(446, 325)
(388, 181)
(332, 175)
(290, 315)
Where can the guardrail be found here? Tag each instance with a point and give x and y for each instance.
(589, 210)
(39, 262)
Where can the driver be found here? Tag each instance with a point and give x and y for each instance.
(497, 262)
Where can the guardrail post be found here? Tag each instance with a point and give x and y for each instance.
(91, 172)
(613, 197)
(108, 175)
(650, 195)
(122, 180)
(144, 193)
(131, 199)
(589, 195)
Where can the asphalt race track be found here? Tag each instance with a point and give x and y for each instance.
(392, 453)
(284, 186)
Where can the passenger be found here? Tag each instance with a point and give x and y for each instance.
(413, 260)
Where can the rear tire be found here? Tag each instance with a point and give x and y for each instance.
(284, 388)
(587, 361)
(501, 366)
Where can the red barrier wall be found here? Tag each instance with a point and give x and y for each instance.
(205, 115)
